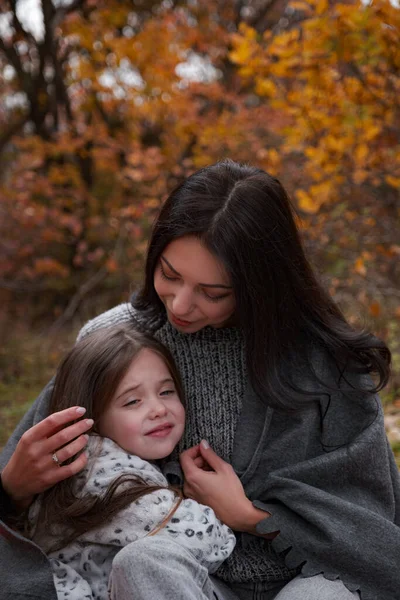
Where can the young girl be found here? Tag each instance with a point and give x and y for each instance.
(130, 387)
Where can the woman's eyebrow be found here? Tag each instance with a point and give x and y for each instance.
(207, 285)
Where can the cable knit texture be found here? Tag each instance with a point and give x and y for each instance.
(213, 392)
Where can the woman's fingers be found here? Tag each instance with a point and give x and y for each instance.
(200, 462)
(31, 469)
(211, 458)
(187, 460)
(201, 457)
(192, 453)
(71, 449)
(66, 435)
(219, 488)
(52, 423)
(57, 474)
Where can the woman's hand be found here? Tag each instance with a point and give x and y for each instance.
(212, 481)
(32, 470)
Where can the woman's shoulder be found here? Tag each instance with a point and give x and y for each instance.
(338, 370)
(318, 367)
(119, 315)
(123, 313)
(346, 393)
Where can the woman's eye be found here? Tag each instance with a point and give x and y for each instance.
(215, 298)
(165, 276)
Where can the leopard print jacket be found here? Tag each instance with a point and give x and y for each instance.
(81, 569)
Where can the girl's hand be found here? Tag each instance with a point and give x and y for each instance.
(32, 470)
(212, 481)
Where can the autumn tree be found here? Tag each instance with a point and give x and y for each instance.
(334, 75)
(117, 101)
(99, 121)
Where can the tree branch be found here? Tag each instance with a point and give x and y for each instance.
(12, 56)
(88, 286)
(76, 299)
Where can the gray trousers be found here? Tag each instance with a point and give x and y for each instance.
(156, 568)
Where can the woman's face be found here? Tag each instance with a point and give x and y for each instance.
(193, 286)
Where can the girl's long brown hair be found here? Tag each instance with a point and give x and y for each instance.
(89, 376)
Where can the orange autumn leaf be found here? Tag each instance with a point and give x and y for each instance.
(111, 265)
(359, 267)
(374, 309)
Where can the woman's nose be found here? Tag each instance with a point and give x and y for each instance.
(182, 303)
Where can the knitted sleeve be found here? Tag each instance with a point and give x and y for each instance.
(115, 316)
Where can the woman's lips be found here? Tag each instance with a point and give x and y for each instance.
(180, 322)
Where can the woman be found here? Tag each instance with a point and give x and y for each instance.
(278, 384)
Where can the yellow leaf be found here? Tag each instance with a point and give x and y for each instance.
(371, 132)
(249, 32)
(265, 87)
(393, 181)
(321, 6)
(359, 267)
(299, 5)
(361, 153)
(306, 202)
(359, 176)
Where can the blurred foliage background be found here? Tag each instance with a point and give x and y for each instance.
(105, 105)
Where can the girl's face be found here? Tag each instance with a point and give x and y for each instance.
(145, 416)
(193, 286)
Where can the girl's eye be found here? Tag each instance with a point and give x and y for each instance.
(167, 392)
(165, 276)
(131, 402)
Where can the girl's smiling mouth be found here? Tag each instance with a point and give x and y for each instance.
(161, 430)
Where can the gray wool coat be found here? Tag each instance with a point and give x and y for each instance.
(326, 474)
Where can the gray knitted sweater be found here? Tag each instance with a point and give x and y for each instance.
(331, 484)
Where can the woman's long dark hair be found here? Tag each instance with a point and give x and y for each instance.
(89, 376)
(245, 219)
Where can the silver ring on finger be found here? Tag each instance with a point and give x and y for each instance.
(55, 459)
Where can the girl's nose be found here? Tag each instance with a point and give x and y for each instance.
(182, 303)
(158, 409)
